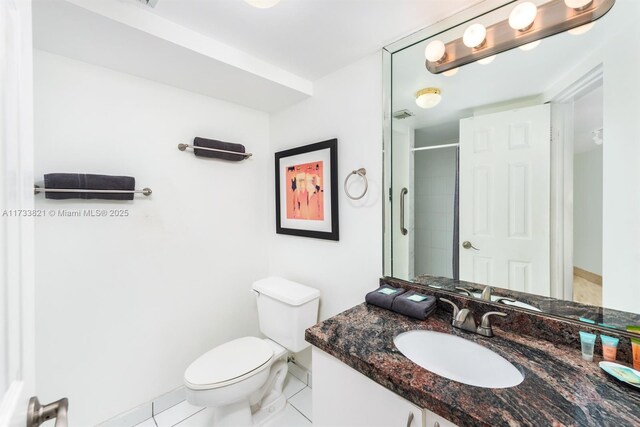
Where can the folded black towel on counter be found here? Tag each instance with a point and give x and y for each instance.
(81, 181)
(383, 296)
(218, 145)
(414, 305)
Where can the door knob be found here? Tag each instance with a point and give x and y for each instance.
(38, 414)
(467, 245)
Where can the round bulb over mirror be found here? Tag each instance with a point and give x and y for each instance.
(428, 97)
(262, 4)
(522, 16)
(474, 36)
(450, 73)
(487, 60)
(530, 46)
(435, 51)
(578, 4)
(581, 29)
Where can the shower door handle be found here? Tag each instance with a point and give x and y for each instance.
(38, 414)
(403, 229)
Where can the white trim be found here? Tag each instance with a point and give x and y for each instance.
(10, 403)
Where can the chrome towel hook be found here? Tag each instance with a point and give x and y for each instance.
(362, 172)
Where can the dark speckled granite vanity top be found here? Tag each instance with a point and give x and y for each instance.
(559, 389)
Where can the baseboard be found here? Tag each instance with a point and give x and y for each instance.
(587, 275)
(147, 410)
(301, 373)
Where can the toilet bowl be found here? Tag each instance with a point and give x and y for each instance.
(242, 379)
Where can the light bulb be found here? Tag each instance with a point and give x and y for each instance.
(474, 36)
(262, 4)
(428, 98)
(578, 4)
(522, 16)
(581, 29)
(435, 51)
(452, 72)
(530, 46)
(487, 60)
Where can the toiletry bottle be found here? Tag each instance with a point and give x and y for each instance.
(609, 348)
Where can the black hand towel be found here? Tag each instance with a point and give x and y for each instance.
(79, 181)
(219, 145)
(383, 296)
(414, 305)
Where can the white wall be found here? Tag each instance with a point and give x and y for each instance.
(125, 304)
(346, 105)
(587, 210)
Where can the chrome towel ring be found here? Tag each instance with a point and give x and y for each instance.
(362, 172)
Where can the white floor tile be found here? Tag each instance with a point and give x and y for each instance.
(203, 418)
(302, 402)
(176, 414)
(147, 423)
(289, 417)
(292, 385)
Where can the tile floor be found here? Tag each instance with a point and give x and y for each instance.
(297, 413)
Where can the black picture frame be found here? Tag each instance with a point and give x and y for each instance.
(332, 173)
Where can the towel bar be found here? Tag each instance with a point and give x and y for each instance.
(183, 147)
(37, 190)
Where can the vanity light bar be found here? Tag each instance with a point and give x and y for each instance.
(552, 18)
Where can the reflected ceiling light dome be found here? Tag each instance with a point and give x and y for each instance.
(474, 36)
(435, 51)
(428, 97)
(578, 4)
(522, 16)
(530, 46)
(262, 4)
(452, 72)
(487, 60)
(581, 29)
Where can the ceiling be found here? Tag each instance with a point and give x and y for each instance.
(310, 38)
(515, 77)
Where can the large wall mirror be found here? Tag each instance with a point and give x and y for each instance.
(516, 177)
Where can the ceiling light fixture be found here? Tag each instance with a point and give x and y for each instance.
(435, 51)
(522, 16)
(527, 23)
(262, 4)
(428, 97)
(475, 36)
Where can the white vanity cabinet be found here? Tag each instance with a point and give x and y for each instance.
(343, 397)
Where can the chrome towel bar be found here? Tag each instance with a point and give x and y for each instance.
(183, 147)
(37, 190)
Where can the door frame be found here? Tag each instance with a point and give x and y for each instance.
(17, 265)
(562, 121)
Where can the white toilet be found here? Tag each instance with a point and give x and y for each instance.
(242, 379)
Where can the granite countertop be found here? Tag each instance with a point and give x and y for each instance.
(559, 389)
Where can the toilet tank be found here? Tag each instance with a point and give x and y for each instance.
(285, 310)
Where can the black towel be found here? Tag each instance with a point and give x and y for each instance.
(80, 181)
(420, 308)
(383, 296)
(219, 145)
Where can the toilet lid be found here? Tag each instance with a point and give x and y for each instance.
(228, 361)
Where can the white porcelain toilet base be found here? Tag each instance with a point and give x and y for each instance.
(250, 402)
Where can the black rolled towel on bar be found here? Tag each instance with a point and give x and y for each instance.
(80, 181)
(414, 305)
(218, 145)
(383, 296)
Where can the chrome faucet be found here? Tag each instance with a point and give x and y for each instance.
(463, 319)
(487, 292)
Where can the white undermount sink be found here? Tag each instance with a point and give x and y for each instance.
(458, 359)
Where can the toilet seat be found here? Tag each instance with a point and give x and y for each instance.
(229, 363)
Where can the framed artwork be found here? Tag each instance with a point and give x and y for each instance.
(307, 191)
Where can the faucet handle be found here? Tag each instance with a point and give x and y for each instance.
(464, 290)
(502, 299)
(485, 324)
(456, 310)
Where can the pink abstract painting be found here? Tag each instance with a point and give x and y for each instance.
(305, 191)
